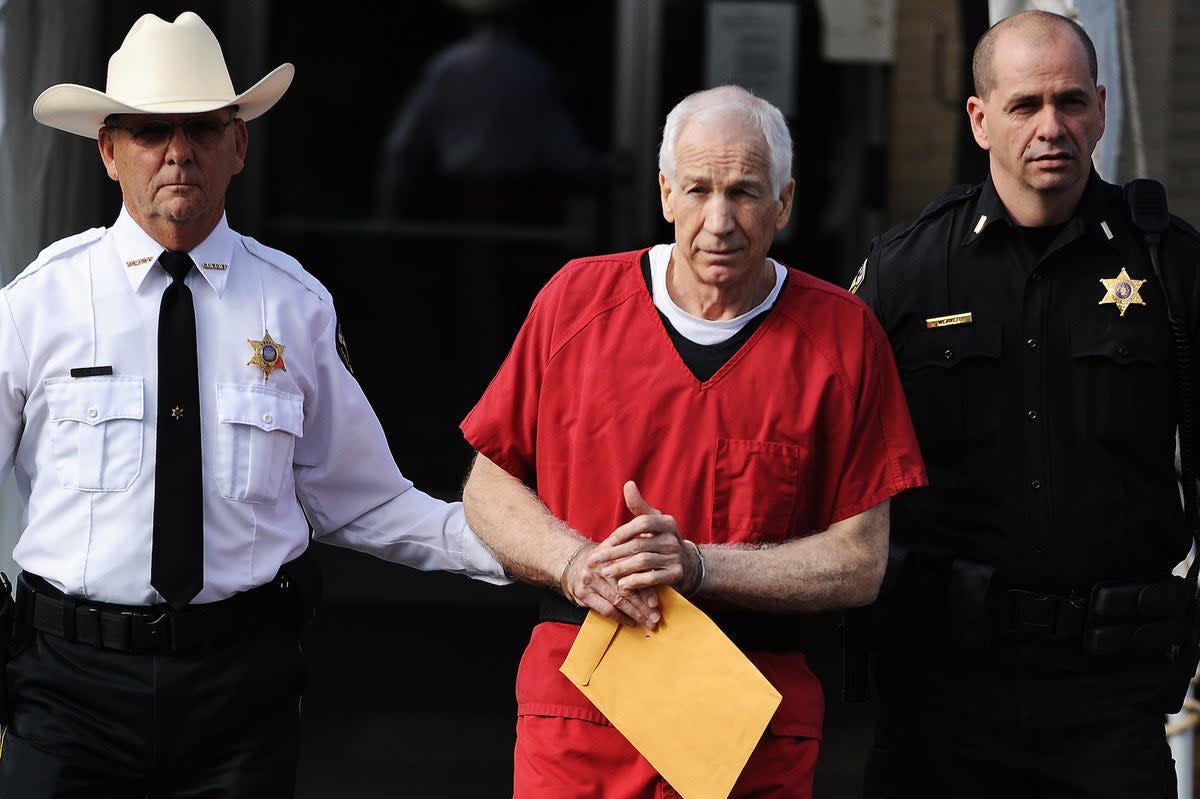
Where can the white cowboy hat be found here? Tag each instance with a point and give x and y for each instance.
(161, 68)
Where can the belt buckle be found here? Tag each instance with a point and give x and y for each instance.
(1033, 614)
(1072, 612)
(1046, 617)
(149, 634)
(89, 625)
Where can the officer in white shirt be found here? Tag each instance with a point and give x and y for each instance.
(112, 690)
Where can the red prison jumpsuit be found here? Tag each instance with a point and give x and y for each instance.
(805, 425)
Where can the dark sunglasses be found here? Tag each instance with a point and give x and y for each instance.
(202, 132)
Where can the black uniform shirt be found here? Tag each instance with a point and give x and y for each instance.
(1046, 416)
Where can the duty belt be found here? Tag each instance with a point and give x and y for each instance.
(966, 604)
(149, 629)
(1112, 619)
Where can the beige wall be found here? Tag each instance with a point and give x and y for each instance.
(1150, 26)
(1182, 175)
(925, 104)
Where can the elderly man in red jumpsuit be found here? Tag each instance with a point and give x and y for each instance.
(697, 415)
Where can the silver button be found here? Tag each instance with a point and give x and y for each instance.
(268, 418)
(93, 413)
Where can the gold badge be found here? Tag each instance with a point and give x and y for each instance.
(1122, 291)
(268, 355)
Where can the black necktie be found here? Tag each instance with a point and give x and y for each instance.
(177, 562)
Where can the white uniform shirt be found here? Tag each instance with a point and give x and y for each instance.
(280, 451)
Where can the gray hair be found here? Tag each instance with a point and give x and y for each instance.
(765, 116)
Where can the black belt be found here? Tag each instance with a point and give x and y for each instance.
(972, 606)
(155, 628)
(757, 632)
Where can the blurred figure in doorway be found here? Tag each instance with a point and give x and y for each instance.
(484, 132)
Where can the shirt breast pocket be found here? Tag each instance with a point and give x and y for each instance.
(1121, 385)
(257, 432)
(96, 431)
(952, 377)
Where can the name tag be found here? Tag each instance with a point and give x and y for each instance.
(91, 371)
(946, 321)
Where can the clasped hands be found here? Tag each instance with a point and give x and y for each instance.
(619, 576)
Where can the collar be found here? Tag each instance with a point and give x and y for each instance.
(1095, 216)
(139, 252)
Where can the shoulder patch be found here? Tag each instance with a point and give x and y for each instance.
(343, 351)
(858, 278)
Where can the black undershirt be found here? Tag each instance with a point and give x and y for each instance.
(703, 359)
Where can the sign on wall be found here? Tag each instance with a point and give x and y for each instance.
(754, 45)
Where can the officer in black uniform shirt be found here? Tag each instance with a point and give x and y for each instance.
(1032, 335)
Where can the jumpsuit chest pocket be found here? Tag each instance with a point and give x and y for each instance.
(256, 439)
(96, 429)
(952, 376)
(755, 489)
(1121, 383)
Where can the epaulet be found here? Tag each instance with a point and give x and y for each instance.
(951, 196)
(286, 263)
(955, 195)
(1184, 226)
(64, 247)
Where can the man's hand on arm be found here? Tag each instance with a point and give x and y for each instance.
(636, 558)
(537, 547)
(648, 551)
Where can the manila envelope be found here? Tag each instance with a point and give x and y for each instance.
(684, 695)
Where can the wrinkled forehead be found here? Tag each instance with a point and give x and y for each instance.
(724, 155)
(720, 127)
